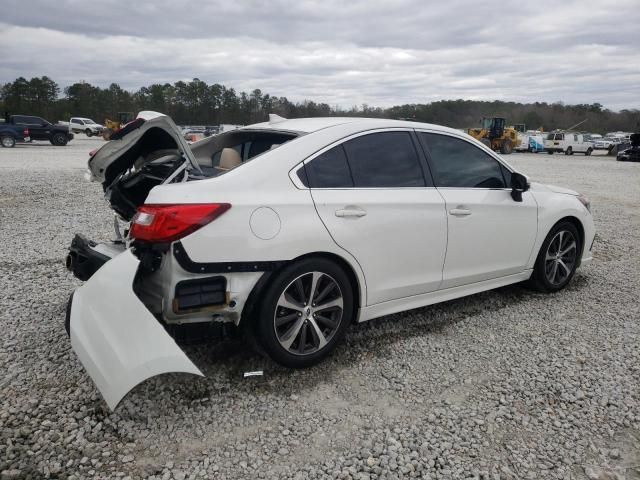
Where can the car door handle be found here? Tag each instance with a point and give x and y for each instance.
(460, 212)
(350, 212)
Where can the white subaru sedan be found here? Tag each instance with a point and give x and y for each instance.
(295, 229)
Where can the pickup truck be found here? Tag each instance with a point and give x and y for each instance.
(11, 134)
(40, 129)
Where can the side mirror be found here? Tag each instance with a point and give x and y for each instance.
(519, 184)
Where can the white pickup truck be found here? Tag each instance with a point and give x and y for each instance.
(567, 143)
(86, 126)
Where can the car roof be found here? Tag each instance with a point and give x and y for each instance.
(309, 125)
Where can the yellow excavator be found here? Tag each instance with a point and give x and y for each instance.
(494, 133)
(111, 126)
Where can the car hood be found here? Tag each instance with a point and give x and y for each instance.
(540, 187)
(126, 146)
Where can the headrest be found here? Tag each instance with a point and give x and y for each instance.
(229, 158)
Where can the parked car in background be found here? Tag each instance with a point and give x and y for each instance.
(212, 130)
(41, 129)
(295, 229)
(606, 143)
(12, 134)
(191, 134)
(631, 153)
(567, 143)
(592, 137)
(86, 126)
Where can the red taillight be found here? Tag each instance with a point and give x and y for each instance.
(25, 132)
(167, 223)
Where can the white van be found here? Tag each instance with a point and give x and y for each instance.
(567, 143)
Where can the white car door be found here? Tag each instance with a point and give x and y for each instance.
(490, 234)
(377, 202)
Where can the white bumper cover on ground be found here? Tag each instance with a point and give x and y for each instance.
(115, 337)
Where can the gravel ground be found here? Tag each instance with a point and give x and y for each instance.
(505, 384)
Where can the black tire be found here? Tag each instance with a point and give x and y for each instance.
(8, 141)
(550, 152)
(59, 139)
(296, 280)
(588, 152)
(547, 279)
(486, 141)
(88, 133)
(568, 151)
(507, 147)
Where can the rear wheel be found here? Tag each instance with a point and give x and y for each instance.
(8, 141)
(558, 258)
(59, 139)
(568, 151)
(304, 313)
(550, 152)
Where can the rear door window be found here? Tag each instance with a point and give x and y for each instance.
(384, 160)
(457, 163)
(376, 160)
(328, 170)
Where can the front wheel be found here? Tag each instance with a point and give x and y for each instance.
(8, 141)
(588, 152)
(304, 312)
(558, 258)
(88, 133)
(59, 139)
(550, 152)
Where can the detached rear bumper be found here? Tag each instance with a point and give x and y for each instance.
(119, 342)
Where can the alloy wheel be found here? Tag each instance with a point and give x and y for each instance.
(560, 258)
(308, 313)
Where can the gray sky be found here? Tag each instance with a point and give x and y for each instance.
(341, 52)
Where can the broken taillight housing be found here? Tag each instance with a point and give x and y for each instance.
(168, 223)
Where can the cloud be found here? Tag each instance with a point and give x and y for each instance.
(341, 53)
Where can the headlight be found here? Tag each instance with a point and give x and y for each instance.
(585, 201)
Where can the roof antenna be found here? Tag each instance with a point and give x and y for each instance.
(273, 118)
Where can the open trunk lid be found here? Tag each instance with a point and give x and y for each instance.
(127, 146)
(146, 152)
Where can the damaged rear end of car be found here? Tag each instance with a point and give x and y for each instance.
(142, 288)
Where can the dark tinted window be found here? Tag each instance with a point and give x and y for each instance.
(26, 120)
(387, 159)
(329, 170)
(457, 163)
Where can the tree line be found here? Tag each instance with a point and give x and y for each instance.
(199, 103)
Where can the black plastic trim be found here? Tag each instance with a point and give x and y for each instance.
(222, 267)
(83, 261)
(199, 293)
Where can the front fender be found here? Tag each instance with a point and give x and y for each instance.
(119, 342)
